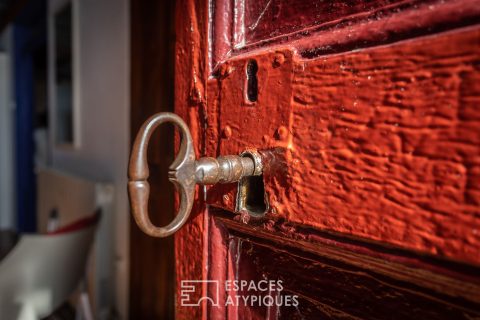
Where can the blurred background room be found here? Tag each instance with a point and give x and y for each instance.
(64, 143)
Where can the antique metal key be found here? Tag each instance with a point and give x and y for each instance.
(185, 172)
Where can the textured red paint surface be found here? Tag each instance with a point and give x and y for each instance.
(191, 241)
(383, 144)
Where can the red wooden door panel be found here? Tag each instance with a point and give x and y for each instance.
(371, 184)
(382, 144)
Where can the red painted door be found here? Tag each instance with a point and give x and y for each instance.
(367, 115)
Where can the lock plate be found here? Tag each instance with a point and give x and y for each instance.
(235, 123)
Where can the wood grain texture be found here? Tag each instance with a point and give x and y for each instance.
(338, 277)
(316, 28)
(383, 143)
(152, 55)
(330, 289)
(266, 19)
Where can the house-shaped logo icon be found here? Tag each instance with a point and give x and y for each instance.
(190, 287)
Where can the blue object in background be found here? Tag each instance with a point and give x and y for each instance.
(29, 35)
(24, 147)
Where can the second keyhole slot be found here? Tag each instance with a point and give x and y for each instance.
(252, 81)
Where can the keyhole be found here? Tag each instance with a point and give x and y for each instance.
(252, 82)
(255, 195)
(251, 196)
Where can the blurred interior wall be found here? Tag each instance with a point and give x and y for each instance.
(101, 52)
(7, 189)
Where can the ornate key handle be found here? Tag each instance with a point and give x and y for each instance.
(185, 172)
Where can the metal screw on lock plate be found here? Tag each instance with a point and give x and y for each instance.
(185, 172)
